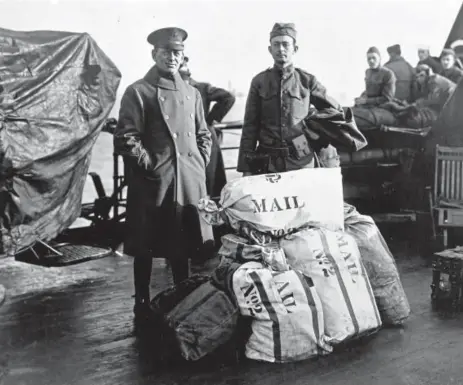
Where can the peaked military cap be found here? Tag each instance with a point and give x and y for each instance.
(171, 37)
(284, 29)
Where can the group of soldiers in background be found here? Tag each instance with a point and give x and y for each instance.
(415, 95)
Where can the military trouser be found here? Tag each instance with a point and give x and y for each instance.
(142, 268)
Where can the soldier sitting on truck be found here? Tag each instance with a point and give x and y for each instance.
(425, 58)
(435, 91)
(448, 60)
(403, 71)
(380, 82)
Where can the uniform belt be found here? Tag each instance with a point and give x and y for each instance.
(286, 150)
(280, 151)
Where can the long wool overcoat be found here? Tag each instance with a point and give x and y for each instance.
(163, 137)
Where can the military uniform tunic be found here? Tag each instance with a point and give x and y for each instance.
(437, 91)
(277, 104)
(164, 139)
(454, 74)
(216, 177)
(405, 77)
(380, 86)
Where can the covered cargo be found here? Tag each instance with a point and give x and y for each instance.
(56, 90)
(372, 118)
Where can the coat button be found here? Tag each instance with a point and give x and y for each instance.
(175, 135)
(188, 98)
(161, 98)
(190, 154)
(192, 115)
(189, 134)
(178, 154)
(166, 117)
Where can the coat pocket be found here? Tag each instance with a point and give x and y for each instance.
(299, 101)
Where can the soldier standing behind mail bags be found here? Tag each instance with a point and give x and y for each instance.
(223, 100)
(273, 138)
(163, 136)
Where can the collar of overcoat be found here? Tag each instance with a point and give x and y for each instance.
(158, 79)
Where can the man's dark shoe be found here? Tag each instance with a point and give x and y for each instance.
(144, 314)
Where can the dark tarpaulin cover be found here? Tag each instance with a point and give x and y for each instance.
(56, 90)
(456, 33)
(448, 129)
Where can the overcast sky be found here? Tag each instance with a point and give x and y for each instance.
(228, 39)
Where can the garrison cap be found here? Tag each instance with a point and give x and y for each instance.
(373, 50)
(394, 49)
(282, 29)
(171, 37)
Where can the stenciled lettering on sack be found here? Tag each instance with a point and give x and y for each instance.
(348, 256)
(327, 266)
(286, 295)
(270, 205)
(252, 299)
(273, 178)
(282, 232)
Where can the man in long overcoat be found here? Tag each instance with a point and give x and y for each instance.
(163, 137)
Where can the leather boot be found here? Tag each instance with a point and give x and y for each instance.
(180, 270)
(142, 277)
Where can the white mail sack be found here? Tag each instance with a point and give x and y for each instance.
(287, 314)
(277, 204)
(332, 260)
(241, 250)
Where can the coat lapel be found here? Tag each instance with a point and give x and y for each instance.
(166, 88)
(155, 78)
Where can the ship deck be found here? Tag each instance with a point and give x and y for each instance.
(74, 325)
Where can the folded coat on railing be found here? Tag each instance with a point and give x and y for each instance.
(337, 128)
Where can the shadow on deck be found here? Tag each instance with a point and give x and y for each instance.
(73, 325)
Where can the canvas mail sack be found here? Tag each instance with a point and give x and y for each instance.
(204, 321)
(332, 260)
(241, 250)
(277, 204)
(380, 266)
(286, 312)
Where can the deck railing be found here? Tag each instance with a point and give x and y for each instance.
(226, 128)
